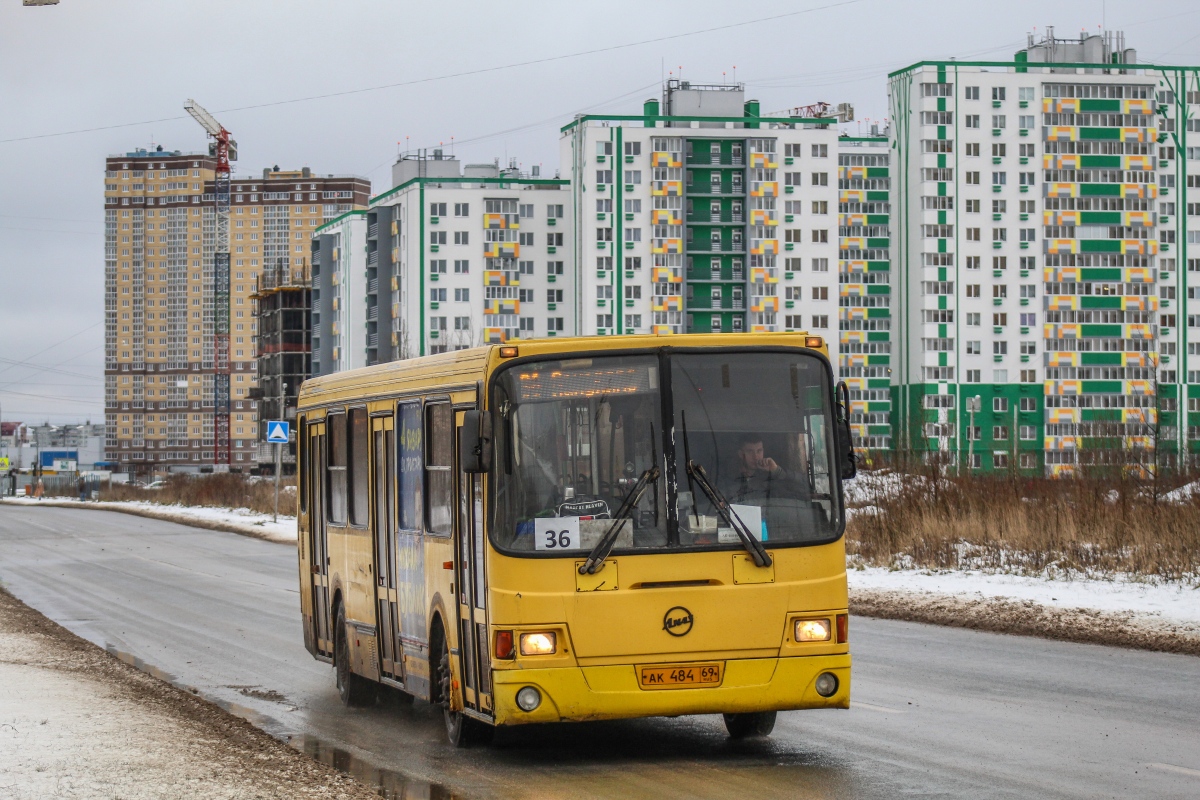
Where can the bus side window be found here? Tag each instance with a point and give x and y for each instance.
(359, 476)
(302, 458)
(411, 459)
(439, 477)
(336, 483)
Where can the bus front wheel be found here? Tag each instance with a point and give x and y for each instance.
(355, 690)
(741, 726)
(461, 730)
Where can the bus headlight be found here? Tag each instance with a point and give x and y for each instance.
(827, 684)
(538, 644)
(529, 698)
(812, 630)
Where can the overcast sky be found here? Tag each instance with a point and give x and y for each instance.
(92, 64)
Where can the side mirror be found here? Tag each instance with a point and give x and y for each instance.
(475, 442)
(847, 464)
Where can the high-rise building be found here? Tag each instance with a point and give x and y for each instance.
(702, 215)
(159, 239)
(1041, 271)
(452, 256)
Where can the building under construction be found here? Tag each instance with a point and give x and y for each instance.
(160, 315)
(284, 297)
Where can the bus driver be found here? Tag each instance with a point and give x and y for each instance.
(757, 476)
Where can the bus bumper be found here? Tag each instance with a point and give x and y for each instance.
(613, 692)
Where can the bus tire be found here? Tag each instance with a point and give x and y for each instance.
(355, 690)
(742, 726)
(461, 730)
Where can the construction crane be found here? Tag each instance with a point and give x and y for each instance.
(819, 110)
(225, 150)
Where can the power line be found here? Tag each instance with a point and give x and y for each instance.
(54, 219)
(49, 230)
(12, 363)
(463, 74)
(49, 397)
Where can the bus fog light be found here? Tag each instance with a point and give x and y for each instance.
(538, 644)
(812, 630)
(530, 698)
(827, 685)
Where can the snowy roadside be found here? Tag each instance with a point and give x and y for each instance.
(76, 722)
(1124, 612)
(232, 520)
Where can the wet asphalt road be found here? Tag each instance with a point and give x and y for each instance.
(937, 712)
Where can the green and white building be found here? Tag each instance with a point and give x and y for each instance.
(452, 256)
(701, 214)
(864, 290)
(1042, 221)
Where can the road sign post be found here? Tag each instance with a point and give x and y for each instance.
(278, 434)
(275, 516)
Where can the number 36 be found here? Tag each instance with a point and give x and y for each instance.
(558, 539)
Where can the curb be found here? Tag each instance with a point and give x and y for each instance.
(1027, 618)
(251, 531)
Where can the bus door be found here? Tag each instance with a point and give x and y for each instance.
(383, 526)
(472, 590)
(319, 541)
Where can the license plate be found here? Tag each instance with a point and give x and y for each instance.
(680, 676)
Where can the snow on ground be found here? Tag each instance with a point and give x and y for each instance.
(1183, 494)
(237, 520)
(1170, 602)
(875, 485)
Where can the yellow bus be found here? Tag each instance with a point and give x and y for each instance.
(580, 529)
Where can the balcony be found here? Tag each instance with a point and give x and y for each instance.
(716, 189)
(724, 218)
(715, 159)
(717, 275)
(712, 304)
(715, 247)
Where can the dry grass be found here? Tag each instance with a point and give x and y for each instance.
(1050, 526)
(222, 490)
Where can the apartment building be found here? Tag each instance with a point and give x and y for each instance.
(1041, 270)
(339, 284)
(864, 287)
(453, 256)
(160, 231)
(702, 215)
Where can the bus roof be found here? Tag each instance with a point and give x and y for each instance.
(465, 367)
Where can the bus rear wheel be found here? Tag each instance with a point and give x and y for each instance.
(355, 690)
(461, 730)
(742, 726)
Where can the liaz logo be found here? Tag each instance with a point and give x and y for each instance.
(677, 621)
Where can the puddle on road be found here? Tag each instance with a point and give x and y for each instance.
(389, 783)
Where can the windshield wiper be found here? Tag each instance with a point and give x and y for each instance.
(696, 474)
(595, 559)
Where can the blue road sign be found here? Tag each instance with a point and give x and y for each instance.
(278, 431)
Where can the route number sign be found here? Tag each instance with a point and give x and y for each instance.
(556, 533)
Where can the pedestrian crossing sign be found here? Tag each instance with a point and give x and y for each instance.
(278, 432)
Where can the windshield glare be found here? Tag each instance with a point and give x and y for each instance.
(573, 437)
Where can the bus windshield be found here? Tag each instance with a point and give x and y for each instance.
(574, 436)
